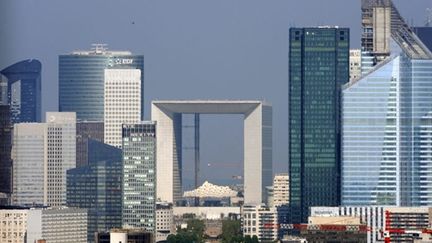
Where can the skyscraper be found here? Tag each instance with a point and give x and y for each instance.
(139, 171)
(82, 77)
(5, 150)
(97, 187)
(318, 67)
(41, 154)
(86, 131)
(387, 125)
(122, 102)
(23, 82)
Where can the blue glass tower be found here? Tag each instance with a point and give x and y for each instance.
(23, 82)
(97, 187)
(387, 125)
(81, 80)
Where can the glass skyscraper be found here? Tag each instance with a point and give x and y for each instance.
(387, 125)
(5, 150)
(81, 79)
(97, 187)
(23, 83)
(318, 67)
(139, 176)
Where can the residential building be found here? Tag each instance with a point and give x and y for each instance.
(381, 220)
(5, 151)
(263, 222)
(57, 225)
(23, 82)
(164, 221)
(281, 189)
(97, 187)
(13, 224)
(122, 100)
(41, 154)
(386, 126)
(355, 64)
(139, 176)
(86, 131)
(82, 78)
(318, 67)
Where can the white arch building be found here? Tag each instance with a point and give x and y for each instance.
(258, 167)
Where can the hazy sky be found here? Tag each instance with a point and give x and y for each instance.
(224, 49)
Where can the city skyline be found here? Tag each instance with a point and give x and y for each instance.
(246, 46)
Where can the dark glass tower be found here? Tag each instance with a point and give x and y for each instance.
(139, 176)
(5, 150)
(97, 187)
(86, 131)
(318, 67)
(23, 82)
(82, 78)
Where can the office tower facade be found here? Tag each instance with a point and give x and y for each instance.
(318, 67)
(41, 154)
(122, 102)
(82, 78)
(139, 176)
(281, 189)
(355, 64)
(386, 125)
(5, 150)
(57, 225)
(23, 82)
(97, 187)
(28, 155)
(86, 131)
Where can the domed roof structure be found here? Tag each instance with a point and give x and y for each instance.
(210, 190)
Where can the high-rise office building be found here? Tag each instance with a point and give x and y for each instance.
(139, 176)
(41, 154)
(5, 150)
(23, 83)
(122, 102)
(97, 187)
(387, 124)
(86, 131)
(82, 78)
(318, 67)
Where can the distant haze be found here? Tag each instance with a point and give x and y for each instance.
(225, 49)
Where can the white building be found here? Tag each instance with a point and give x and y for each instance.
(258, 170)
(281, 189)
(42, 153)
(57, 225)
(355, 61)
(164, 221)
(122, 102)
(13, 225)
(260, 221)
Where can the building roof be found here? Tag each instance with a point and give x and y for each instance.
(210, 190)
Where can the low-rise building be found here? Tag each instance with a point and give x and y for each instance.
(13, 224)
(263, 221)
(400, 224)
(164, 221)
(124, 236)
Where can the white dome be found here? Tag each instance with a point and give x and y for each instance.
(211, 190)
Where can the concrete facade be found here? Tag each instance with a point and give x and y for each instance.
(257, 143)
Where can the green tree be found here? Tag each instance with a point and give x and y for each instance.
(194, 233)
(231, 231)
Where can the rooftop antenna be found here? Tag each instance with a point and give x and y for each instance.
(99, 48)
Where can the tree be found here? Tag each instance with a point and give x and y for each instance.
(194, 233)
(231, 231)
